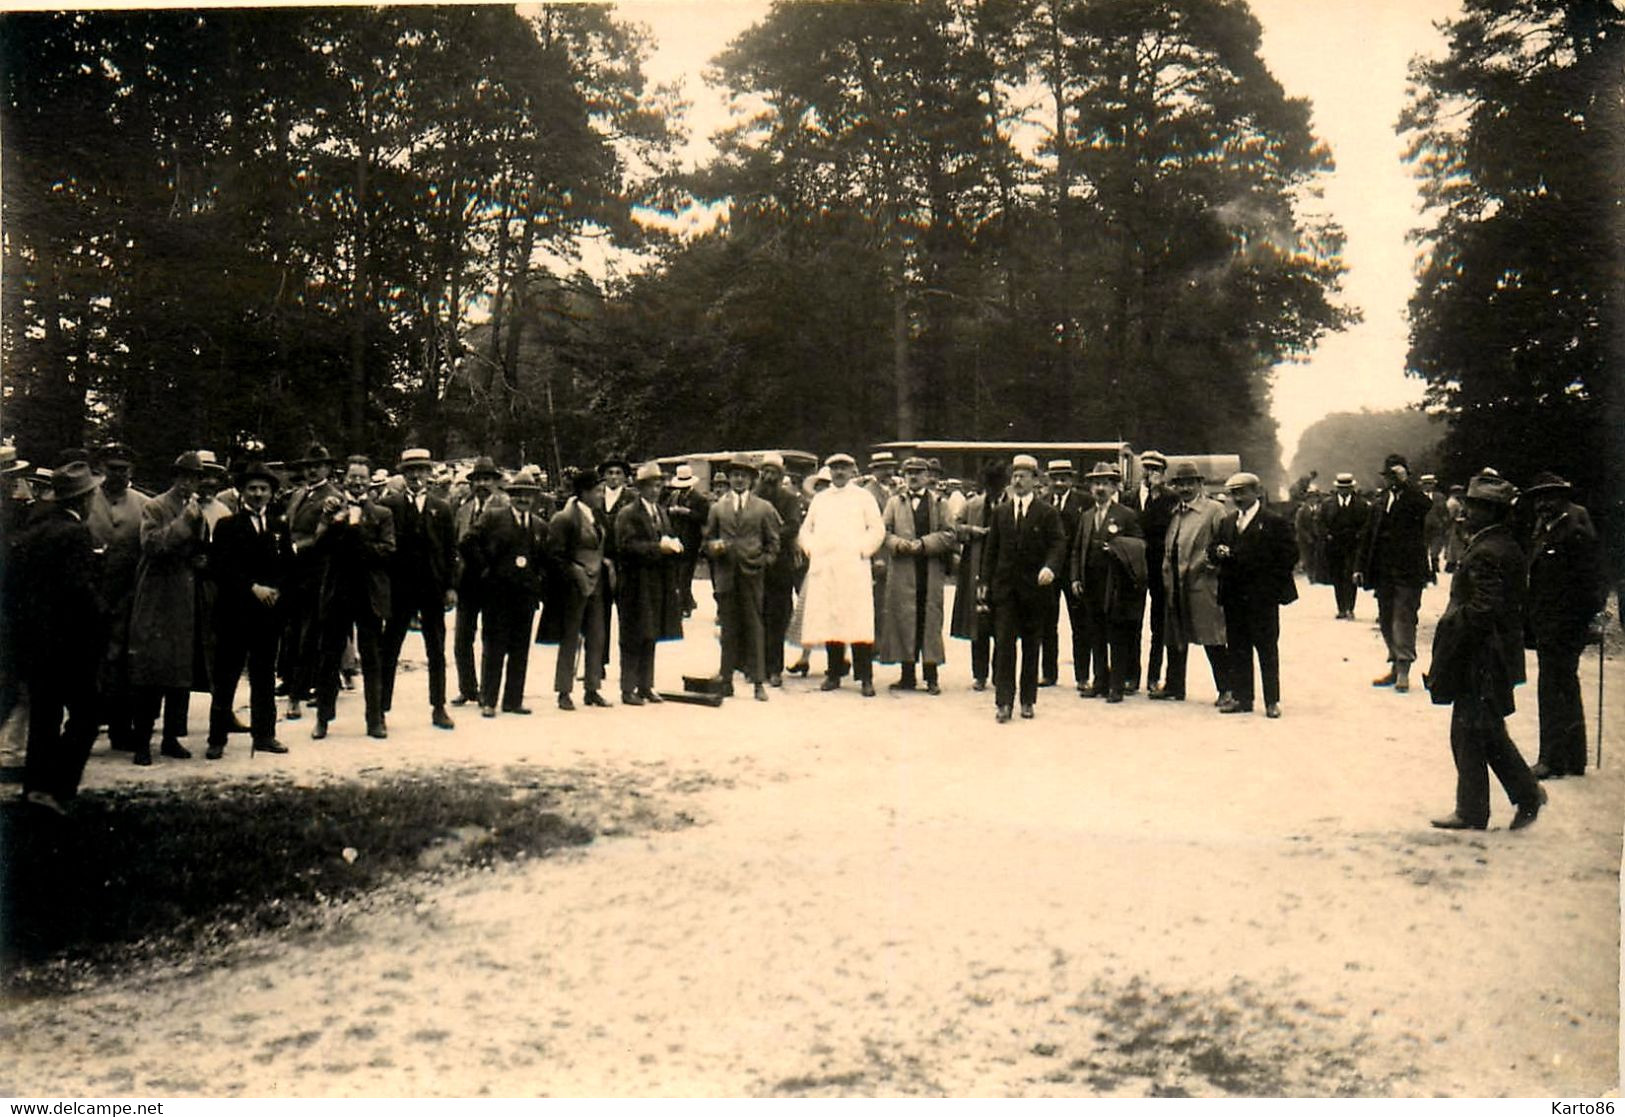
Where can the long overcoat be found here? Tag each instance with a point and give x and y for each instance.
(1566, 586)
(1478, 644)
(651, 607)
(840, 535)
(972, 526)
(897, 615)
(1194, 614)
(163, 646)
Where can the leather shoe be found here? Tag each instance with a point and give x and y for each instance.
(900, 685)
(1046, 682)
(830, 683)
(760, 693)
(1114, 697)
(442, 720)
(174, 749)
(377, 731)
(214, 752)
(798, 669)
(270, 744)
(1224, 697)
(631, 700)
(933, 688)
(1153, 690)
(142, 758)
(727, 690)
(1528, 811)
(867, 690)
(650, 697)
(1273, 710)
(1234, 707)
(516, 709)
(979, 684)
(321, 729)
(1160, 695)
(295, 710)
(1384, 680)
(1131, 688)
(775, 680)
(1456, 822)
(1088, 692)
(593, 698)
(463, 700)
(1026, 709)
(1003, 715)
(565, 703)
(1545, 772)
(488, 711)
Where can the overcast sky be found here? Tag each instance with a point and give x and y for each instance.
(1348, 57)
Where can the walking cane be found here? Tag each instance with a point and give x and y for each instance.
(1602, 659)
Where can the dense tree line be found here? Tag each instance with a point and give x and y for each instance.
(1357, 442)
(973, 218)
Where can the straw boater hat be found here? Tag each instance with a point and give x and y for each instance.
(1024, 461)
(380, 475)
(649, 471)
(9, 461)
(73, 479)
(1548, 482)
(1153, 459)
(883, 459)
(1104, 471)
(1059, 465)
(417, 455)
(684, 478)
(1185, 471)
(1344, 481)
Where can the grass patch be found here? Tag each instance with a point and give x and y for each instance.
(150, 873)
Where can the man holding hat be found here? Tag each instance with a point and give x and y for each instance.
(688, 508)
(422, 575)
(1192, 584)
(741, 540)
(1566, 592)
(1478, 659)
(1394, 563)
(248, 558)
(301, 597)
(1344, 515)
(1025, 548)
(507, 551)
(651, 609)
(53, 581)
(1154, 502)
(164, 638)
(483, 493)
(1255, 552)
(840, 536)
(920, 540)
(779, 580)
(1108, 576)
(1070, 504)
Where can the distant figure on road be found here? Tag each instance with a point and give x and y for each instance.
(1344, 518)
(1394, 563)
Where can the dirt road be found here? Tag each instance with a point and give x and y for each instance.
(897, 896)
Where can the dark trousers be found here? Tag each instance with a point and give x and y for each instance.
(1397, 607)
(144, 712)
(505, 652)
(1080, 644)
(369, 633)
(301, 651)
(56, 753)
(1109, 649)
(1159, 620)
(586, 620)
(778, 606)
(863, 661)
(405, 603)
(1049, 652)
(245, 640)
(922, 590)
(739, 612)
(1013, 623)
(637, 667)
(1562, 714)
(1250, 630)
(685, 575)
(981, 656)
(1343, 588)
(1478, 738)
(462, 646)
(1216, 661)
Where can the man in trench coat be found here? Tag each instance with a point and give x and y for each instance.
(742, 540)
(651, 607)
(1192, 585)
(920, 540)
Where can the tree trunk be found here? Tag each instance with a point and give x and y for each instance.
(355, 416)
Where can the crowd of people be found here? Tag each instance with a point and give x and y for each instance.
(119, 605)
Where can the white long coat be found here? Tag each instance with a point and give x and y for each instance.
(842, 530)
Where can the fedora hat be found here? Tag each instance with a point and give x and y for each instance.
(1548, 482)
(115, 453)
(649, 471)
(527, 480)
(315, 454)
(484, 467)
(1185, 471)
(740, 461)
(1395, 459)
(73, 479)
(189, 462)
(1490, 488)
(684, 478)
(257, 471)
(417, 455)
(210, 463)
(1103, 471)
(9, 461)
(612, 460)
(773, 458)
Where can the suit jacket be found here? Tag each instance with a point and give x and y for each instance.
(650, 606)
(575, 559)
(425, 544)
(1394, 550)
(241, 558)
(752, 537)
(1115, 558)
(52, 584)
(1566, 586)
(787, 504)
(163, 611)
(304, 512)
(1071, 507)
(689, 509)
(512, 561)
(1011, 558)
(1155, 515)
(1478, 644)
(356, 559)
(1256, 576)
(1344, 526)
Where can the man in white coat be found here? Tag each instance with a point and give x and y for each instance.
(840, 535)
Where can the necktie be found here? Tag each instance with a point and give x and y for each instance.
(1021, 511)
(259, 523)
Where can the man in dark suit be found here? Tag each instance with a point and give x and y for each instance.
(1345, 515)
(577, 610)
(1154, 502)
(53, 582)
(1108, 577)
(300, 654)
(688, 507)
(1394, 563)
(779, 580)
(509, 547)
(651, 609)
(1478, 659)
(1025, 547)
(1070, 504)
(355, 538)
(742, 540)
(1566, 592)
(615, 472)
(248, 557)
(1255, 550)
(483, 494)
(421, 573)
